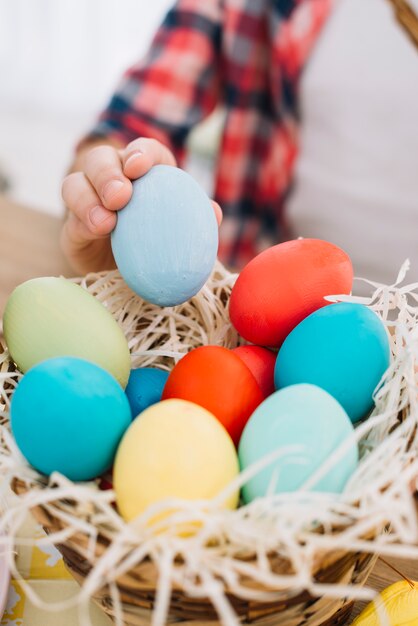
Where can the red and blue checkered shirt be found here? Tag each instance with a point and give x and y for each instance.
(246, 55)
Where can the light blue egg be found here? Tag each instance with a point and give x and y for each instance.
(300, 415)
(344, 349)
(166, 238)
(145, 388)
(68, 415)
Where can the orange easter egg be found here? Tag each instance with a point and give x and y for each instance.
(260, 362)
(283, 285)
(218, 380)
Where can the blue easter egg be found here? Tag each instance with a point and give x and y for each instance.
(145, 387)
(68, 415)
(300, 415)
(344, 349)
(166, 238)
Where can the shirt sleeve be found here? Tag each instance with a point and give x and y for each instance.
(175, 86)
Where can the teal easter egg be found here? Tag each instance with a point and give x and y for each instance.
(68, 415)
(166, 238)
(145, 388)
(343, 348)
(304, 416)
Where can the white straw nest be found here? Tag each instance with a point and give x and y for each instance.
(375, 514)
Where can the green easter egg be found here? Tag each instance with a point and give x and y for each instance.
(52, 317)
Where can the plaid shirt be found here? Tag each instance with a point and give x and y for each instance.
(246, 55)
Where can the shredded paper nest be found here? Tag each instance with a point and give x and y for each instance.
(375, 513)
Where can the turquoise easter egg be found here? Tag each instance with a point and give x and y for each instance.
(343, 348)
(68, 415)
(304, 416)
(145, 388)
(166, 238)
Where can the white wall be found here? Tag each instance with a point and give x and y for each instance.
(59, 61)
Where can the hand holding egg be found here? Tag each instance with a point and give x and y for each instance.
(98, 186)
(166, 238)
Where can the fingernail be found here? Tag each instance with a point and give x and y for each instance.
(98, 215)
(111, 189)
(133, 157)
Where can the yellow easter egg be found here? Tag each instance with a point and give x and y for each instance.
(400, 601)
(173, 449)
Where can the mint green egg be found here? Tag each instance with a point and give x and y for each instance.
(53, 317)
(305, 416)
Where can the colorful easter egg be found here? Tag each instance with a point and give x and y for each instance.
(52, 317)
(309, 418)
(68, 415)
(283, 285)
(261, 363)
(218, 380)
(145, 388)
(175, 449)
(398, 603)
(343, 348)
(166, 238)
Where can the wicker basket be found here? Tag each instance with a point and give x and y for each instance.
(138, 586)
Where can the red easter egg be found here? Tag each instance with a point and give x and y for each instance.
(283, 285)
(218, 380)
(105, 485)
(260, 362)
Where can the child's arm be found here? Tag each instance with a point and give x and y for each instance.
(159, 101)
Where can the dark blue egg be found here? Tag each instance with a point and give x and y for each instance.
(342, 348)
(166, 238)
(145, 387)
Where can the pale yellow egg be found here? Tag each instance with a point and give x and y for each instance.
(53, 317)
(174, 449)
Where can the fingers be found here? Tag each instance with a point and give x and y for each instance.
(218, 212)
(84, 204)
(103, 169)
(102, 188)
(140, 155)
(110, 171)
(83, 253)
(95, 194)
(84, 200)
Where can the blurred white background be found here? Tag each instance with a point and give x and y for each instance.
(59, 62)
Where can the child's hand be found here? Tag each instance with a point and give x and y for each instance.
(100, 186)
